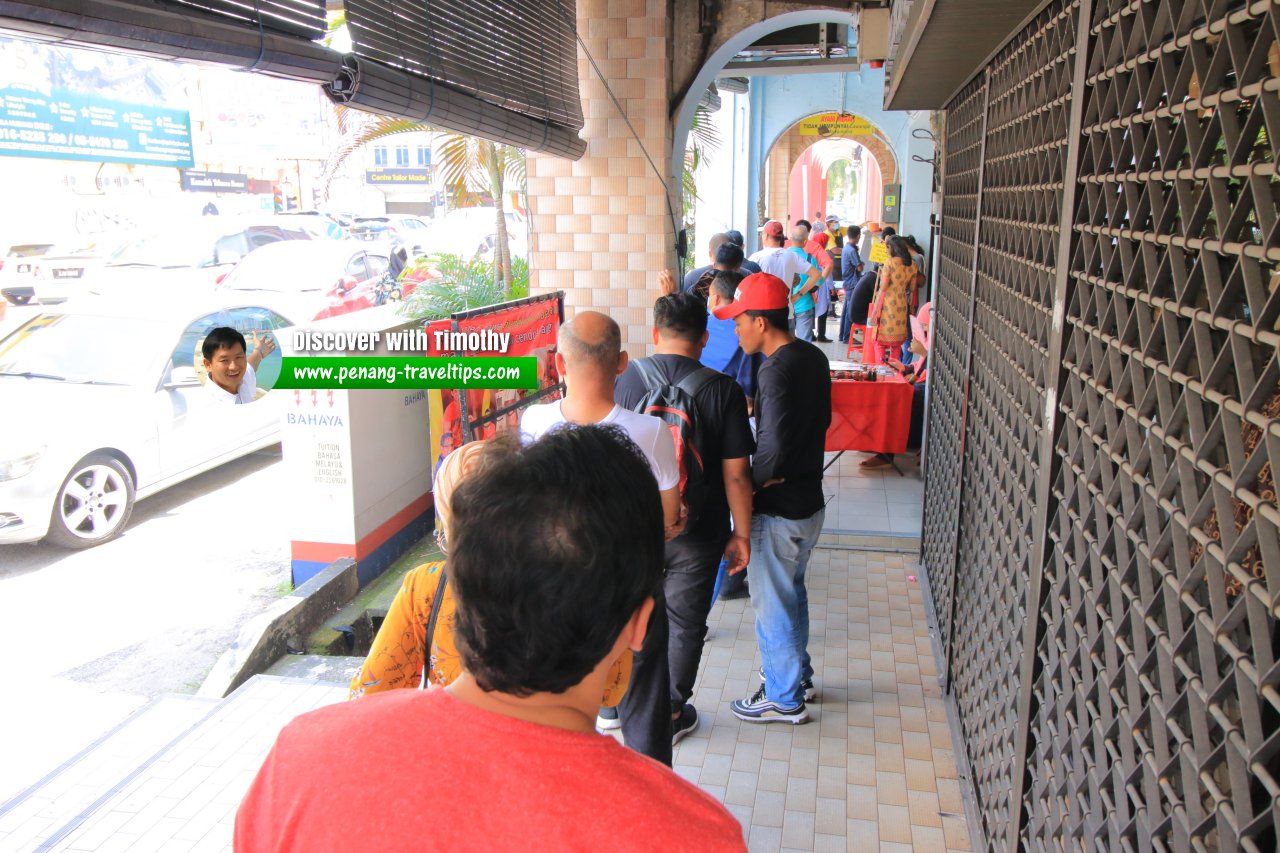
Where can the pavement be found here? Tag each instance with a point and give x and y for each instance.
(875, 769)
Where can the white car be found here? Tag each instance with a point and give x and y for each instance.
(470, 232)
(104, 405)
(193, 255)
(17, 270)
(58, 274)
(408, 231)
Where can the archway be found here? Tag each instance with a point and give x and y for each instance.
(790, 145)
(830, 176)
(716, 62)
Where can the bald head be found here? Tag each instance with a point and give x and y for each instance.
(592, 342)
(799, 235)
(716, 241)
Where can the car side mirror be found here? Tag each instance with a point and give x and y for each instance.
(183, 376)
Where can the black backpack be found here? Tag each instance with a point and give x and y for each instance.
(674, 405)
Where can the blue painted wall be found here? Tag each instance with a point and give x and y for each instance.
(779, 102)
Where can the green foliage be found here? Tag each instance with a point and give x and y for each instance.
(520, 278)
(462, 285)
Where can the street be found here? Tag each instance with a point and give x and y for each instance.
(16, 315)
(96, 634)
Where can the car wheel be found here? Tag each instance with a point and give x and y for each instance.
(94, 503)
(18, 300)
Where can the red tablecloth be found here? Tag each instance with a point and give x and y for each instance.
(873, 417)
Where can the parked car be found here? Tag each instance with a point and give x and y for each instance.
(16, 270)
(57, 275)
(314, 281)
(472, 232)
(409, 231)
(336, 225)
(105, 406)
(194, 254)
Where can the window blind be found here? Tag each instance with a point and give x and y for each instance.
(494, 68)
(269, 41)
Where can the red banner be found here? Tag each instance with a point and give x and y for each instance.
(510, 331)
(525, 328)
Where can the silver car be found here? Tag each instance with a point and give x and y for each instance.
(104, 405)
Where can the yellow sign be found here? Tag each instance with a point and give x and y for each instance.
(891, 201)
(835, 124)
(879, 252)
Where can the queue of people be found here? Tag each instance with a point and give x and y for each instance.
(580, 568)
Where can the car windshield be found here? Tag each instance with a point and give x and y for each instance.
(83, 348)
(287, 271)
(178, 248)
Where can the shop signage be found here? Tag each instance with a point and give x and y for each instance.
(94, 108)
(835, 124)
(214, 182)
(399, 177)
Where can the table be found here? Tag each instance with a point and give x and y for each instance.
(872, 417)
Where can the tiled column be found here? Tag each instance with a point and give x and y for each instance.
(600, 227)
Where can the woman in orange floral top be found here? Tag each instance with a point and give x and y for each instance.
(889, 307)
(397, 655)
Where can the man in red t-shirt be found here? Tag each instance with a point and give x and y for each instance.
(555, 554)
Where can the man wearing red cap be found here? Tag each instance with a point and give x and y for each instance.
(800, 276)
(793, 411)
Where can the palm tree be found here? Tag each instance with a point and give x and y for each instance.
(704, 139)
(471, 167)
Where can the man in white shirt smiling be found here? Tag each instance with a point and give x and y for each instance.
(232, 377)
(590, 358)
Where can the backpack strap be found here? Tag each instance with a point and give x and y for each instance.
(649, 373)
(699, 379)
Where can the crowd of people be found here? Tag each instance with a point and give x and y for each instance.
(582, 559)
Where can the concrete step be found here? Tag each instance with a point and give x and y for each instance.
(184, 797)
(855, 540)
(33, 816)
(326, 668)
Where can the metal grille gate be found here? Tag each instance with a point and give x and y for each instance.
(1106, 399)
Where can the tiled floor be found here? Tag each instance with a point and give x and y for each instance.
(874, 770)
(876, 502)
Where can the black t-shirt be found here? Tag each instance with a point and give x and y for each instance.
(859, 300)
(723, 432)
(793, 411)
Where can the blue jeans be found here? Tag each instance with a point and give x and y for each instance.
(780, 549)
(804, 324)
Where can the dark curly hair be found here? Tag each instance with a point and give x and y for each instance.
(555, 546)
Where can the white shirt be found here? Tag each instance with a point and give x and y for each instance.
(786, 265)
(248, 387)
(650, 434)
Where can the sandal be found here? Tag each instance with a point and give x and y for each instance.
(876, 461)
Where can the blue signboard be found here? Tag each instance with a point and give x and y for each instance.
(69, 104)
